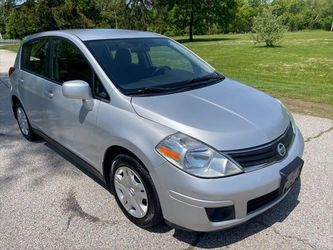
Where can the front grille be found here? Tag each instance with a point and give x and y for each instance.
(264, 154)
(261, 201)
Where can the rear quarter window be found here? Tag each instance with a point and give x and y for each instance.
(35, 57)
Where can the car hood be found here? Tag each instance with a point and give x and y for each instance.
(227, 115)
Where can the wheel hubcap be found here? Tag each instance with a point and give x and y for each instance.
(131, 192)
(22, 121)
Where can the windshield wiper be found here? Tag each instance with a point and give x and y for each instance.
(178, 87)
(198, 81)
(203, 79)
(149, 90)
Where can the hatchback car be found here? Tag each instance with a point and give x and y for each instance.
(173, 138)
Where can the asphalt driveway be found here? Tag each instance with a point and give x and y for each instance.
(46, 201)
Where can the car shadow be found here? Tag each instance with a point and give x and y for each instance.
(6, 115)
(80, 167)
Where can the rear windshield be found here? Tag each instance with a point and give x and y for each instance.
(148, 63)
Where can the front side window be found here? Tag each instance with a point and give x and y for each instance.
(69, 64)
(34, 57)
(151, 65)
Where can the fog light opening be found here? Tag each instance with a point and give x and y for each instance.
(217, 214)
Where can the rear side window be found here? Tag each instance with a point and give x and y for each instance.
(34, 57)
(69, 64)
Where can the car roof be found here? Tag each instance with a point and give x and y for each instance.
(98, 34)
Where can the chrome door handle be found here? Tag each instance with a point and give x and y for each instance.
(21, 81)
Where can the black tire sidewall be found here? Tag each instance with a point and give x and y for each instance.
(154, 214)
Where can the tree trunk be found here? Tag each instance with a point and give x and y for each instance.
(191, 22)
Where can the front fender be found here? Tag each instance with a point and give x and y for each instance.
(126, 129)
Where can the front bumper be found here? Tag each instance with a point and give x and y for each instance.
(185, 198)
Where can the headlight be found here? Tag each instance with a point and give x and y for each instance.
(195, 157)
(293, 124)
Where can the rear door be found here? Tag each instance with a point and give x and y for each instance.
(68, 121)
(32, 78)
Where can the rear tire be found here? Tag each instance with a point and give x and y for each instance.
(23, 123)
(134, 192)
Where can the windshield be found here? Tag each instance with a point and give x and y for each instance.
(151, 65)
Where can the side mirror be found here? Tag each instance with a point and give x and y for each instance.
(76, 89)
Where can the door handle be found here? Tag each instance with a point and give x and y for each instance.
(49, 94)
(21, 81)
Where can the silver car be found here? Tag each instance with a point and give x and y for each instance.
(174, 139)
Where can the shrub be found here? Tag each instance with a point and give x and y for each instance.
(267, 28)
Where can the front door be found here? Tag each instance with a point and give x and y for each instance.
(69, 122)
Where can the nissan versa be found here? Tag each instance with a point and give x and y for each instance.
(173, 138)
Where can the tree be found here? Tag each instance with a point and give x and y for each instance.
(319, 11)
(138, 14)
(169, 17)
(224, 12)
(194, 16)
(41, 15)
(5, 9)
(246, 10)
(112, 14)
(292, 13)
(75, 14)
(267, 28)
(22, 21)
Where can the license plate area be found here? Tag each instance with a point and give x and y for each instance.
(290, 174)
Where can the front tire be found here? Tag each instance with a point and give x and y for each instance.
(135, 192)
(24, 123)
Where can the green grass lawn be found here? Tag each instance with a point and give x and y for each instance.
(301, 67)
(11, 47)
